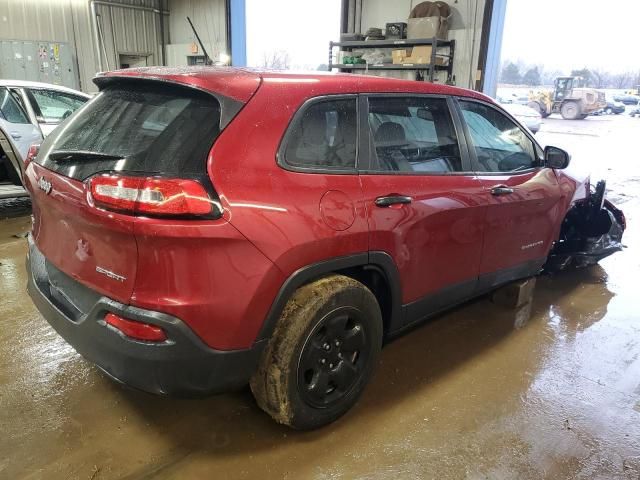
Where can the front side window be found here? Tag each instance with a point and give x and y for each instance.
(9, 108)
(53, 107)
(413, 135)
(324, 136)
(500, 145)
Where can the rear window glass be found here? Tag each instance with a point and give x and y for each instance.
(140, 127)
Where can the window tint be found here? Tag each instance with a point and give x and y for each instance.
(55, 106)
(9, 108)
(324, 136)
(139, 127)
(500, 145)
(413, 134)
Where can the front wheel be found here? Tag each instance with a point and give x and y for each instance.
(570, 111)
(321, 355)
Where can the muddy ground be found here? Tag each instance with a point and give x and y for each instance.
(480, 392)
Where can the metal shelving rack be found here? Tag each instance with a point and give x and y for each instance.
(428, 68)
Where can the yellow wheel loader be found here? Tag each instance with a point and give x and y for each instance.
(568, 98)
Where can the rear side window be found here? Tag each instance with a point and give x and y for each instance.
(323, 136)
(413, 134)
(9, 108)
(142, 127)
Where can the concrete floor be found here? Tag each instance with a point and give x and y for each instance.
(480, 392)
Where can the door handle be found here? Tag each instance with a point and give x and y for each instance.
(15, 136)
(501, 190)
(389, 200)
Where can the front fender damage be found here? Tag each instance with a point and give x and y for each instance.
(591, 231)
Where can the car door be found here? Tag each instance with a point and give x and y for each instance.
(523, 197)
(425, 206)
(16, 126)
(52, 107)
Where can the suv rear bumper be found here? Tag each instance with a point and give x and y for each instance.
(183, 365)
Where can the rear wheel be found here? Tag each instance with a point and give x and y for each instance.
(570, 111)
(321, 355)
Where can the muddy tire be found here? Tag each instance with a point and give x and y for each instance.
(570, 110)
(321, 355)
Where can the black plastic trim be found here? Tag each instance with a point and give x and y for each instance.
(434, 303)
(489, 281)
(304, 275)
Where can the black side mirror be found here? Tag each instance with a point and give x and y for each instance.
(555, 157)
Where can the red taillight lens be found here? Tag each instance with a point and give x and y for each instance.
(136, 330)
(149, 195)
(32, 153)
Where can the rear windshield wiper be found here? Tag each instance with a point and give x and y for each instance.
(69, 156)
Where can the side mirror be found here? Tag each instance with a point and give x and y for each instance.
(555, 157)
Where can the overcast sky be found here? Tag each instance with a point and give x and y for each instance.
(558, 34)
(572, 34)
(301, 27)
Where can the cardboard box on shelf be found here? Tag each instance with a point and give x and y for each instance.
(398, 56)
(422, 55)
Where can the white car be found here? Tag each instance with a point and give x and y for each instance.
(525, 115)
(29, 111)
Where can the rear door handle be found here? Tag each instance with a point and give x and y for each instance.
(501, 190)
(389, 200)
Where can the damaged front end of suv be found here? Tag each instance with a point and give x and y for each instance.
(591, 231)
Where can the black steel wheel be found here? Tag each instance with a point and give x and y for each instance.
(333, 358)
(321, 355)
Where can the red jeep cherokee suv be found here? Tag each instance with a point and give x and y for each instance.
(195, 230)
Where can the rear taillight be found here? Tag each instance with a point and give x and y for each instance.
(32, 153)
(150, 195)
(136, 330)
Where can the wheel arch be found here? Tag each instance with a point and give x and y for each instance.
(376, 270)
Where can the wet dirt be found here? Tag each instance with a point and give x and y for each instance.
(548, 391)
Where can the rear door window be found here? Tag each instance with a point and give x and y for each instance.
(52, 106)
(142, 127)
(323, 136)
(9, 108)
(413, 135)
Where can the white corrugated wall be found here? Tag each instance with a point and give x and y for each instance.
(124, 30)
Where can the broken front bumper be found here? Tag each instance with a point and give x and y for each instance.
(590, 232)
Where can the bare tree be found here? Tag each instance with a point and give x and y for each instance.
(600, 78)
(622, 80)
(276, 60)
